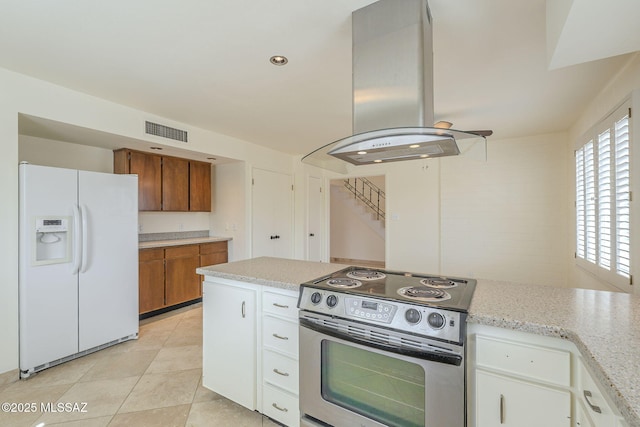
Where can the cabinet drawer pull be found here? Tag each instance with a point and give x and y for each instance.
(275, 405)
(280, 305)
(280, 337)
(594, 408)
(284, 374)
(501, 409)
(244, 309)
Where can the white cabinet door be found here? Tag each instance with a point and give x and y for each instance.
(229, 342)
(508, 402)
(271, 212)
(594, 401)
(581, 417)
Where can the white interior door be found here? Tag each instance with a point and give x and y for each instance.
(108, 285)
(272, 218)
(315, 229)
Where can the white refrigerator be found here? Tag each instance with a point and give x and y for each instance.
(78, 272)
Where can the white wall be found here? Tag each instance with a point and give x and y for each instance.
(229, 214)
(23, 94)
(351, 237)
(506, 218)
(46, 152)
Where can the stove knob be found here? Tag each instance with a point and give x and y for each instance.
(332, 301)
(436, 320)
(412, 316)
(316, 297)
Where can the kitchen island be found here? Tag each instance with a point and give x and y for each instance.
(604, 326)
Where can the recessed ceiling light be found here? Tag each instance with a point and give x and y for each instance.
(377, 161)
(362, 152)
(278, 60)
(414, 146)
(155, 148)
(424, 155)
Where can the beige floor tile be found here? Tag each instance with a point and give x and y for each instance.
(120, 365)
(103, 398)
(90, 422)
(162, 390)
(204, 394)
(184, 338)
(23, 393)
(173, 416)
(222, 413)
(149, 340)
(170, 359)
(66, 373)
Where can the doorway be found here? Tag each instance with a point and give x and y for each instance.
(357, 221)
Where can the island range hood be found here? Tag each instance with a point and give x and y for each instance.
(392, 91)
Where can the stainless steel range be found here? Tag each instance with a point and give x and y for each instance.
(383, 348)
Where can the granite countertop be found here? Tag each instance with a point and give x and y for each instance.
(605, 326)
(180, 242)
(274, 272)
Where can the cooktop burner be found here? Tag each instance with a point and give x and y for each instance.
(424, 294)
(340, 282)
(366, 274)
(436, 282)
(452, 293)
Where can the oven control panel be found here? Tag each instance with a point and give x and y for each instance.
(413, 318)
(375, 311)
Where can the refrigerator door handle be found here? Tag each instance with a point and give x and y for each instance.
(77, 239)
(85, 246)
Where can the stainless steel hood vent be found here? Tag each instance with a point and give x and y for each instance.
(392, 90)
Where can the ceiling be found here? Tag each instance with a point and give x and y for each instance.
(206, 63)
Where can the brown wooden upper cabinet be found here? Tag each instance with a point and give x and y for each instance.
(175, 184)
(167, 183)
(199, 186)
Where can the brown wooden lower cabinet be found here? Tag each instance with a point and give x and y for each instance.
(151, 279)
(213, 253)
(167, 276)
(181, 282)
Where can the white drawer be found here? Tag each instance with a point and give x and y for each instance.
(280, 370)
(281, 406)
(280, 304)
(539, 363)
(591, 396)
(281, 335)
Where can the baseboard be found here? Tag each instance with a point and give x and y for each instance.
(9, 377)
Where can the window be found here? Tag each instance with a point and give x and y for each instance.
(603, 196)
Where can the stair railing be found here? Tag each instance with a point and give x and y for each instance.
(368, 193)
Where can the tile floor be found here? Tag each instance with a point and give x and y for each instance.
(153, 381)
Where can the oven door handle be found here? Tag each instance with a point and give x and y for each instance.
(432, 356)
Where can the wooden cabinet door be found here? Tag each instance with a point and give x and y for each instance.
(229, 342)
(510, 402)
(151, 280)
(175, 184)
(149, 170)
(199, 186)
(181, 281)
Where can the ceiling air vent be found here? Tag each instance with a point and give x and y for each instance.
(165, 131)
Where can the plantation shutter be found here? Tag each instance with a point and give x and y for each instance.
(603, 200)
(622, 194)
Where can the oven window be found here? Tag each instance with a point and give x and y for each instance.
(379, 387)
